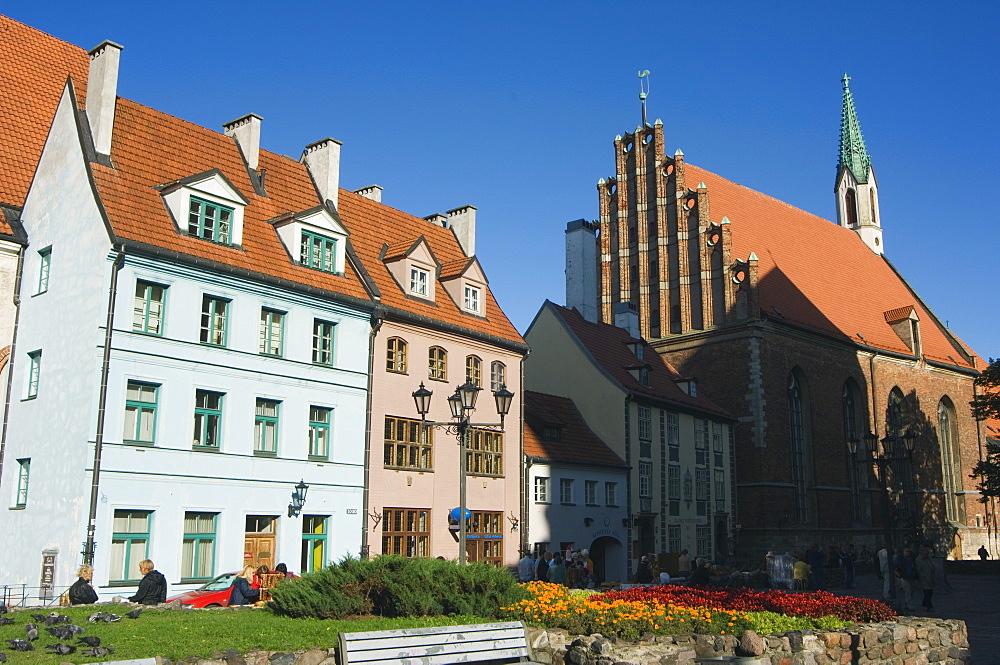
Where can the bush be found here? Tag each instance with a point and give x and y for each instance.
(772, 622)
(394, 586)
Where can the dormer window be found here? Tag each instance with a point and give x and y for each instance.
(644, 376)
(552, 433)
(210, 221)
(318, 251)
(419, 278)
(472, 298)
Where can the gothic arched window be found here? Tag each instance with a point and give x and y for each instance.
(951, 461)
(851, 208)
(799, 443)
(853, 430)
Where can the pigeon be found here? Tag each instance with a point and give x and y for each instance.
(96, 651)
(31, 626)
(134, 614)
(54, 618)
(95, 617)
(90, 640)
(3, 657)
(31, 633)
(6, 621)
(20, 645)
(3, 608)
(108, 618)
(40, 618)
(61, 649)
(64, 632)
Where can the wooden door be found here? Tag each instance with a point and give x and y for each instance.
(258, 550)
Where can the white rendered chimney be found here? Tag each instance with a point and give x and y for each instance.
(463, 224)
(581, 268)
(246, 132)
(373, 192)
(627, 318)
(102, 91)
(322, 159)
(438, 219)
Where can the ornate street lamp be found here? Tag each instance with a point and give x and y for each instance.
(462, 404)
(298, 499)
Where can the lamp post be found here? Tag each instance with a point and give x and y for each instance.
(462, 404)
(883, 459)
(298, 499)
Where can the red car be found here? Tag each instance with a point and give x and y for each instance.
(211, 594)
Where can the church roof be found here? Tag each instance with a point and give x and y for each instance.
(611, 349)
(822, 276)
(33, 71)
(575, 441)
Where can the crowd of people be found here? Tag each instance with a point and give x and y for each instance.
(572, 568)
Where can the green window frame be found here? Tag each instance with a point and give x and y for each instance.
(34, 372)
(23, 475)
(315, 530)
(147, 312)
(140, 412)
(214, 320)
(319, 431)
(198, 547)
(265, 427)
(210, 221)
(318, 252)
(322, 351)
(272, 326)
(208, 419)
(44, 264)
(129, 544)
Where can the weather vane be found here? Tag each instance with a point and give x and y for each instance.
(643, 91)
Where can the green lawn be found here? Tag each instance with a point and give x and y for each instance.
(177, 634)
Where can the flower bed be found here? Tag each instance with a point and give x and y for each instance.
(816, 604)
(583, 613)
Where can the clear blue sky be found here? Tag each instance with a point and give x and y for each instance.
(512, 107)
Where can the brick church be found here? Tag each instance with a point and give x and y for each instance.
(751, 297)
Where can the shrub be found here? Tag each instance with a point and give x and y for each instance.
(394, 586)
(772, 622)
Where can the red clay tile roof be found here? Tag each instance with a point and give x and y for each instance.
(819, 274)
(609, 347)
(371, 224)
(33, 71)
(577, 443)
(898, 314)
(150, 148)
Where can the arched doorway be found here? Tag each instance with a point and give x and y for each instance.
(608, 556)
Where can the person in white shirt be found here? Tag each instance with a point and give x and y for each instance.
(883, 568)
(526, 568)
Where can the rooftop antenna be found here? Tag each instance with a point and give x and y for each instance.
(643, 91)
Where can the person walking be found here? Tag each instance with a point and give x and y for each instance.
(684, 564)
(526, 568)
(926, 577)
(817, 560)
(906, 575)
(82, 592)
(983, 553)
(153, 586)
(542, 569)
(883, 570)
(847, 558)
(557, 571)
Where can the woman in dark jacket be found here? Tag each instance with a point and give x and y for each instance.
(82, 592)
(242, 593)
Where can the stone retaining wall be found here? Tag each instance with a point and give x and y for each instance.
(910, 641)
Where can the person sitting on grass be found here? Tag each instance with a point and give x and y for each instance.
(242, 593)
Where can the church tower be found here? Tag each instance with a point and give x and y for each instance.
(857, 191)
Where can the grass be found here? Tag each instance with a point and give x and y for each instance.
(177, 634)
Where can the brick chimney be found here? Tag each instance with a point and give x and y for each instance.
(102, 91)
(246, 132)
(463, 224)
(581, 268)
(322, 160)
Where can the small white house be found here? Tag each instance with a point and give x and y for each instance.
(576, 486)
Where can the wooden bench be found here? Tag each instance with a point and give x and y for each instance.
(442, 645)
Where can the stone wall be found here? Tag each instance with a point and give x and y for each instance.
(910, 641)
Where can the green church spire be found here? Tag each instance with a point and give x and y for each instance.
(853, 154)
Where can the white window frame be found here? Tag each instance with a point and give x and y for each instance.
(473, 299)
(420, 281)
(566, 491)
(611, 494)
(590, 492)
(543, 489)
(645, 479)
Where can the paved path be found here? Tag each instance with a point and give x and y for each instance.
(973, 598)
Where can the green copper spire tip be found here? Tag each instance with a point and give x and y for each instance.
(853, 153)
